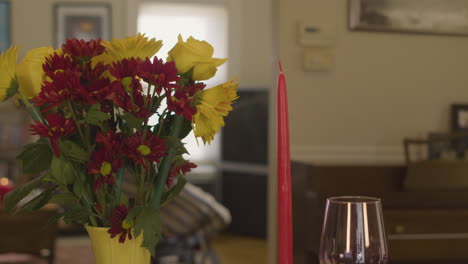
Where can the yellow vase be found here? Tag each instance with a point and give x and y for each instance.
(109, 251)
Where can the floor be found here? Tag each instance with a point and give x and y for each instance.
(77, 250)
(245, 250)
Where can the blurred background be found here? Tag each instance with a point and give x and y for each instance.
(366, 82)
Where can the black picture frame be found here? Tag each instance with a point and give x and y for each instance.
(408, 16)
(82, 21)
(5, 25)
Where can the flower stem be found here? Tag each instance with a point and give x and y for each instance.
(161, 177)
(119, 184)
(36, 115)
(83, 139)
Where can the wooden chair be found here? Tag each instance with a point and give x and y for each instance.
(29, 233)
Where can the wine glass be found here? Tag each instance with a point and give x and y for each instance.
(353, 232)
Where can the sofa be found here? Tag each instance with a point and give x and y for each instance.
(425, 225)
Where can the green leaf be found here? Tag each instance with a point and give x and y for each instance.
(73, 151)
(78, 189)
(184, 130)
(36, 157)
(175, 190)
(173, 142)
(65, 199)
(94, 116)
(62, 170)
(39, 201)
(78, 215)
(148, 221)
(18, 194)
(132, 121)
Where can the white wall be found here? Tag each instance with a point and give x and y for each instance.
(383, 87)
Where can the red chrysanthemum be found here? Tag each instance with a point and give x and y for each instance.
(182, 101)
(91, 74)
(104, 163)
(158, 73)
(56, 63)
(141, 149)
(110, 140)
(177, 168)
(59, 90)
(125, 68)
(136, 105)
(119, 226)
(96, 92)
(82, 49)
(57, 128)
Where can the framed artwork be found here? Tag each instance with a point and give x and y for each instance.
(82, 21)
(4, 25)
(459, 120)
(459, 113)
(410, 16)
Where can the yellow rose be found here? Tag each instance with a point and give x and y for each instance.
(8, 84)
(214, 104)
(30, 73)
(195, 54)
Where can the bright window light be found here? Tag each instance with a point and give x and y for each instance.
(165, 21)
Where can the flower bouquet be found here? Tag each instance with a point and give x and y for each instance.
(91, 102)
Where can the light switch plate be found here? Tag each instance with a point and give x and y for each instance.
(310, 34)
(317, 59)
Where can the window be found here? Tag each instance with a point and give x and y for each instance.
(208, 22)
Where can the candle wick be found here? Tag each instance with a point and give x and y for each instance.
(280, 67)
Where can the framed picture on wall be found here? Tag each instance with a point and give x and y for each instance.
(410, 16)
(4, 25)
(459, 117)
(82, 21)
(459, 120)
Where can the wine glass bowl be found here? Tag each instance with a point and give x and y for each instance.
(353, 232)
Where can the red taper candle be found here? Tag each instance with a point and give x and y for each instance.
(285, 243)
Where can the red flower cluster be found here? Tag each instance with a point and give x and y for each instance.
(125, 68)
(71, 76)
(79, 49)
(182, 102)
(105, 160)
(57, 128)
(134, 101)
(177, 169)
(57, 63)
(119, 226)
(140, 148)
(159, 74)
(59, 90)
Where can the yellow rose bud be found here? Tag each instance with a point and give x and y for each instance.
(195, 54)
(29, 71)
(8, 83)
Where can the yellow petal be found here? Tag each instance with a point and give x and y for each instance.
(137, 46)
(215, 103)
(8, 85)
(30, 73)
(195, 54)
